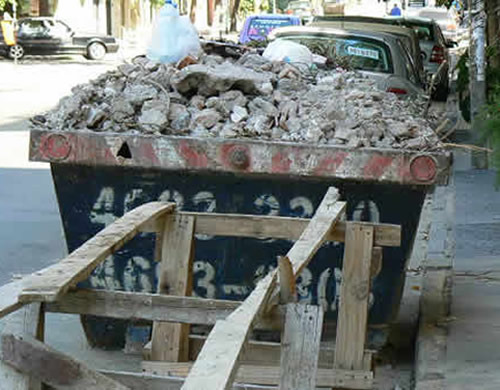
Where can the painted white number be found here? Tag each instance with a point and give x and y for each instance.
(172, 196)
(206, 280)
(102, 211)
(205, 202)
(366, 210)
(301, 202)
(135, 276)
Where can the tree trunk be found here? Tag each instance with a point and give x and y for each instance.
(234, 13)
(192, 12)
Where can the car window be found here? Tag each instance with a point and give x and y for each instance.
(59, 29)
(33, 29)
(260, 28)
(364, 54)
(424, 31)
(411, 73)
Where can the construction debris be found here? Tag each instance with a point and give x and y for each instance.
(248, 98)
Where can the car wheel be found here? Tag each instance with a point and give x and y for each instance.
(16, 52)
(96, 51)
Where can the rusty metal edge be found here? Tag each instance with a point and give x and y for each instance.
(76, 155)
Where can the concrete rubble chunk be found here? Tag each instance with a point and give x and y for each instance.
(207, 118)
(239, 114)
(137, 94)
(208, 81)
(154, 116)
(261, 106)
(246, 98)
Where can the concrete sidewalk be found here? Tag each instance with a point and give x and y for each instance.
(473, 356)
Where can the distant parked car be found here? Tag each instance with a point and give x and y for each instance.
(301, 8)
(446, 19)
(407, 35)
(47, 36)
(433, 45)
(380, 56)
(258, 27)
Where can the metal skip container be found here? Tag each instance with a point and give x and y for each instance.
(100, 176)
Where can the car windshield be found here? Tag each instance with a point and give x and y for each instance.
(364, 54)
(260, 27)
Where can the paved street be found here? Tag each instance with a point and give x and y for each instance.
(30, 228)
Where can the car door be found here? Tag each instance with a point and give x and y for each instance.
(62, 37)
(34, 36)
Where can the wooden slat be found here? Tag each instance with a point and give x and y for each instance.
(270, 376)
(52, 367)
(145, 381)
(170, 341)
(47, 285)
(265, 353)
(300, 347)
(28, 321)
(288, 228)
(152, 307)
(288, 291)
(217, 363)
(355, 290)
(9, 296)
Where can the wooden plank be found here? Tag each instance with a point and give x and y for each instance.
(262, 353)
(300, 347)
(151, 307)
(48, 284)
(51, 367)
(217, 363)
(145, 381)
(9, 297)
(287, 228)
(288, 291)
(170, 341)
(28, 321)
(355, 290)
(270, 376)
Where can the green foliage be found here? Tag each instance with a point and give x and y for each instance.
(490, 116)
(247, 7)
(446, 3)
(4, 3)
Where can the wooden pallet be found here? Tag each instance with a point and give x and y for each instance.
(225, 356)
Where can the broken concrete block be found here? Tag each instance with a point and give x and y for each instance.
(239, 114)
(137, 94)
(121, 109)
(210, 81)
(263, 107)
(154, 115)
(207, 118)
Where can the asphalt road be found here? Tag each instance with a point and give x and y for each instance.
(31, 234)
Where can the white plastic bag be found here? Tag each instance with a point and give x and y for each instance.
(288, 51)
(174, 37)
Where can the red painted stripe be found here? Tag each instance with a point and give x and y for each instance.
(376, 166)
(192, 157)
(330, 164)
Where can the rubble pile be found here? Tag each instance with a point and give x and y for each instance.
(247, 98)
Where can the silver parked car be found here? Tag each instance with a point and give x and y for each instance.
(434, 53)
(407, 35)
(380, 56)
